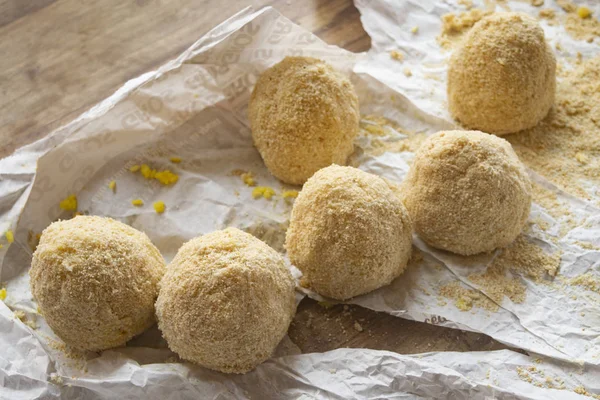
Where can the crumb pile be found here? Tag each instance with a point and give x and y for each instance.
(304, 116)
(349, 233)
(226, 301)
(95, 281)
(502, 77)
(467, 192)
(521, 257)
(565, 146)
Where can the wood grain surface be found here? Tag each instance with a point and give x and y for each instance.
(60, 57)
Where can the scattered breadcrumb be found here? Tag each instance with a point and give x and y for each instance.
(465, 299)
(248, 179)
(454, 26)
(414, 29)
(587, 281)
(263, 191)
(548, 14)
(165, 177)
(56, 379)
(583, 391)
(3, 294)
(112, 185)
(69, 203)
(396, 55)
(566, 5)
(289, 194)
(521, 257)
(466, 3)
(137, 202)
(10, 237)
(584, 12)
(159, 207)
(537, 3)
(380, 129)
(175, 160)
(407, 72)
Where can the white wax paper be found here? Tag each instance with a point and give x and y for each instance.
(195, 108)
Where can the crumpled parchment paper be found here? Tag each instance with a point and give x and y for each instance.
(194, 107)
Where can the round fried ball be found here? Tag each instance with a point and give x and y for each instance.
(349, 233)
(95, 281)
(304, 116)
(467, 192)
(502, 77)
(226, 301)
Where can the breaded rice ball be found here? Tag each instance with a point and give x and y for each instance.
(467, 192)
(349, 233)
(96, 280)
(502, 77)
(304, 117)
(226, 301)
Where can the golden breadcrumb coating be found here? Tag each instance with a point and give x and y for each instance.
(226, 301)
(304, 116)
(96, 280)
(349, 233)
(502, 77)
(467, 192)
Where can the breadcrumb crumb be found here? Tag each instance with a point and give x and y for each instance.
(165, 177)
(69, 203)
(159, 207)
(396, 55)
(2, 294)
(112, 185)
(584, 12)
(137, 202)
(263, 191)
(134, 168)
(414, 29)
(248, 179)
(175, 160)
(287, 194)
(10, 237)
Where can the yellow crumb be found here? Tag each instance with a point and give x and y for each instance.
(175, 160)
(166, 177)
(414, 29)
(2, 294)
(286, 194)
(112, 185)
(159, 207)
(10, 237)
(69, 204)
(396, 55)
(137, 202)
(248, 178)
(584, 12)
(1, 246)
(147, 172)
(20, 314)
(407, 72)
(263, 191)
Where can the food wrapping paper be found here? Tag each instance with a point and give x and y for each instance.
(194, 107)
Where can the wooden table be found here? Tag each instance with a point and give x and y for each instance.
(60, 57)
